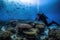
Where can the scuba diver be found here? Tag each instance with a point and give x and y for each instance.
(42, 17)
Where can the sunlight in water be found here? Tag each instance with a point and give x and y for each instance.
(26, 2)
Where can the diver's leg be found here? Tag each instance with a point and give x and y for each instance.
(53, 23)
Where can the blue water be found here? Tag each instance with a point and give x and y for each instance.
(16, 10)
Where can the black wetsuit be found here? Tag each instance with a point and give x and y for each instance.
(42, 17)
